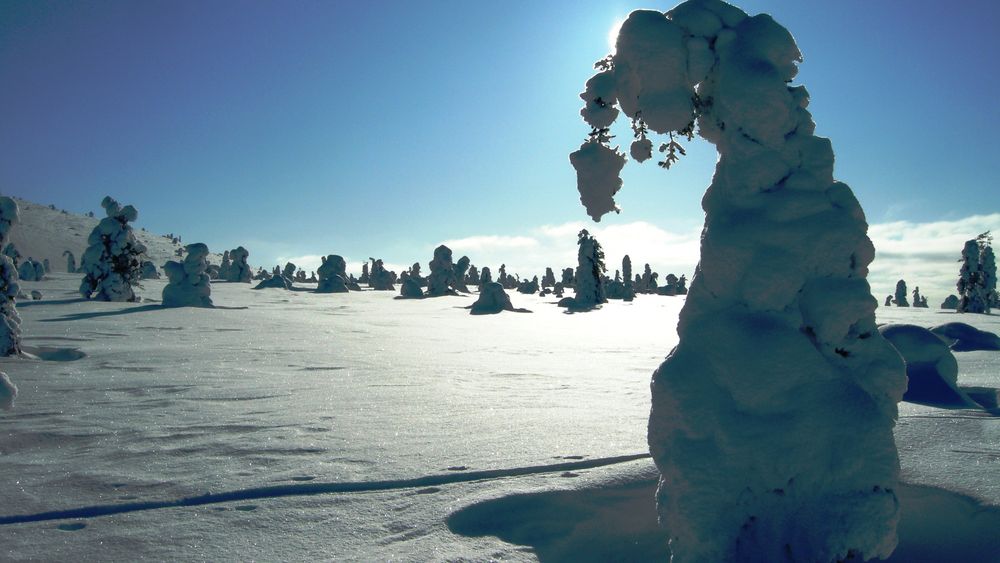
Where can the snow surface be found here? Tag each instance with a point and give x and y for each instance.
(357, 427)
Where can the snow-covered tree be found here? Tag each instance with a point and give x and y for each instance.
(379, 278)
(332, 275)
(485, 278)
(409, 287)
(473, 276)
(31, 270)
(111, 265)
(148, 271)
(46, 265)
(70, 262)
(225, 265)
(772, 419)
(589, 275)
(189, 284)
(567, 277)
(950, 303)
(239, 269)
(442, 278)
(988, 267)
(461, 268)
(972, 293)
(900, 296)
(10, 321)
(10, 251)
(549, 279)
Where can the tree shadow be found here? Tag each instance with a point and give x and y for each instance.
(35, 303)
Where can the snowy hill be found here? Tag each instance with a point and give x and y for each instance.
(45, 232)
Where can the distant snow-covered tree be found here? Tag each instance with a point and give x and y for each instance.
(10, 321)
(111, 265)
(900, 297)
(777, 337)
(972, 293)
(148, 271)
(239, 269)
(332, 275)
(485, 278)
(461, 270)
(589, 275)
(549, 279)
(442, 279)
(70, 262)
(380, 279)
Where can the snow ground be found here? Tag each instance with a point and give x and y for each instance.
(360, 427)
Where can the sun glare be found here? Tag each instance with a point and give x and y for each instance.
(613, 34)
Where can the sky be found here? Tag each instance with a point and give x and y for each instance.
(384, 128)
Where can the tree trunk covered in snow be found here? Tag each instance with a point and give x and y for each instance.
(772, 419)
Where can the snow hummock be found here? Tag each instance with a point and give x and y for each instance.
(8, 392)
(492, 299)
(962, 337)
(189, 284)
(771, 421)
(931, 368)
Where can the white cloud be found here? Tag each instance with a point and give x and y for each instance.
(489, 243)
(923, 254)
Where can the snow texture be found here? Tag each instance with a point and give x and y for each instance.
(8, 392)
(931, 368)
(239, 269)
(189, 284)
(111, 264)
(10, 321)
(332, 275)
(771, 421)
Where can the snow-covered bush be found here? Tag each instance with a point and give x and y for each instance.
(379, 278)
(70, 262)
(771, 421)
(332, 275)
(111, 263)
(31, 270)
(189, 284)
(950, 302)
(239, 269)
(10, 321)
(492, 299)
(148, 271)
(8, 392)
(409, 287)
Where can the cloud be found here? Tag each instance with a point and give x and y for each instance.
(490, 243)
(923, 254)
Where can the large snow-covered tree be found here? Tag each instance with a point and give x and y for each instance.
(590, 269)
(771, 420)
(900, 298)
(973, 294)
(112, 263)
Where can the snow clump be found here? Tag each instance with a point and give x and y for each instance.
(931, 368)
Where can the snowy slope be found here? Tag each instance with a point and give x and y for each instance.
(46, 233)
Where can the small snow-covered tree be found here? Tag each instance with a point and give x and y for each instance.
(771, 421)
(225, 265)
(380, 279)
(900, 297)
(239, 269)
(441, 280)
(988, 267)
(549, 279)
(10, 321)
(112, 264)
(485, 278)
(189, 284)
(461, 269)
(70, 262)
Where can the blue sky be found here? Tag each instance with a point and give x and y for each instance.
(384, 128)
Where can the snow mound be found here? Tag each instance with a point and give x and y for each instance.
(492, 299)
(189, 285)
(8, 392)
(930, 366)
(966, 338)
